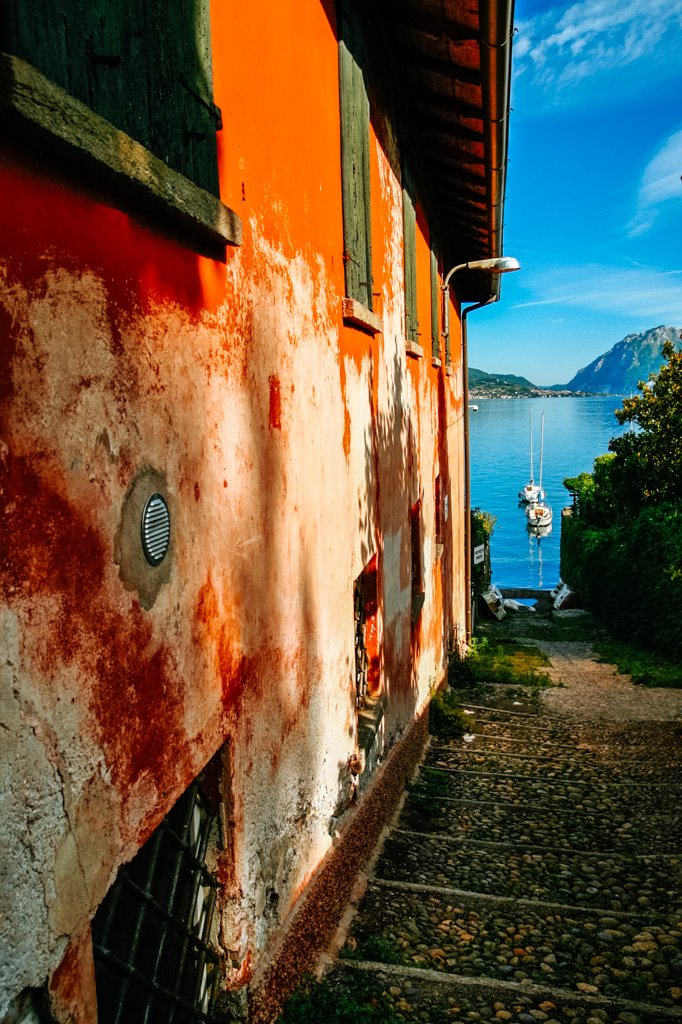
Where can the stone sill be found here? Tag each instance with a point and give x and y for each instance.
(413, 349)
(357, 315)
(449, 371)
(435, 361)
(41, 111)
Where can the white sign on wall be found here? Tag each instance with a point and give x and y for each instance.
(479, 554)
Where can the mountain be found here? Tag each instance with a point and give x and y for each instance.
(619, 370)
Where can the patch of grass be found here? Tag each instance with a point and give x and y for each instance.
(446, 717)
(499, 661)
(433, 782)
(644, 667)
(358, 1001)
(373, 947)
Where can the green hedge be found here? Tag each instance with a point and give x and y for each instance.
(630, 575)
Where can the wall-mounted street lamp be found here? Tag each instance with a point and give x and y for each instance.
(500, 265)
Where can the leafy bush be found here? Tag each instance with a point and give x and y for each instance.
(489, 661)
(630, 574)
(647, 468)
(355, 1002)
(446, 718)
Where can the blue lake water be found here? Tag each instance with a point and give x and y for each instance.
(577, 430)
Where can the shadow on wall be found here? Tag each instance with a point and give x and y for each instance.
(393, 483)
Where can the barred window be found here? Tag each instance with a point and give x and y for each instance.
(154, 960)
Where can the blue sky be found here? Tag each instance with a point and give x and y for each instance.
(594, 186)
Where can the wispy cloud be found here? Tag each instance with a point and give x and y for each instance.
(563, 46)
(661, 182)
(638, 293)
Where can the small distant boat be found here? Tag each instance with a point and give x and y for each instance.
(532, 492)
(539, 513)
(473, 408)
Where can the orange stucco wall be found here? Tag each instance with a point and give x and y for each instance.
(292, 447)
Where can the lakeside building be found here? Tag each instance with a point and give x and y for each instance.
(232, 482)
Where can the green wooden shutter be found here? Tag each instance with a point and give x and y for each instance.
(435, 304)
(52, 37)
(144, 65)
(117, 68)
(354, 105)
(183, 117)
(410, 265)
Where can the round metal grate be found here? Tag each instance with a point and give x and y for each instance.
(155, 529)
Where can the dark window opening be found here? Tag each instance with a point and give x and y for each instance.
(154, 961)
(145, 66)
(367, 653)
(438, 498)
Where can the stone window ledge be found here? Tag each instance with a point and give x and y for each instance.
(437, 362)
(37, 108)
(449, 371)
(357, 315)
(414, 349)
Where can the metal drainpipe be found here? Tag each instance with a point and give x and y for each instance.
(467, 464)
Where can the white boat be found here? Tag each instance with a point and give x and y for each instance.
(473, 408)
(532, 492)
(539, 513)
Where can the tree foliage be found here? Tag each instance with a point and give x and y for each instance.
(647, 468)
(622, 547)
(644, 467)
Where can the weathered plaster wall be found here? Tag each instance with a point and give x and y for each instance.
(290, 448)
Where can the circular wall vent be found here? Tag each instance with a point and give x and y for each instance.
(155, 529)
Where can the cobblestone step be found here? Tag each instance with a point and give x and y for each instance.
(617, 882)
(508, 822)
(418, 996)
(583, 797)
(524, 764)
(596, 953)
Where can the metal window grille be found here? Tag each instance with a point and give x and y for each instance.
(361, 659)
(151, 936)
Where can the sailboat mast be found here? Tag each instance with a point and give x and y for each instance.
(542, 444)
(531, 445)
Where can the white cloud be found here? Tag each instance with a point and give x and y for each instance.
(565, 45)
(661, 182)
(638, 292)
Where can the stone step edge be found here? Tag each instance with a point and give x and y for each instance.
(490, 987)
(571, 851)
(511, 805)
(486, 737)
(552, 719)
(474, 900)
(540, 758)
(667, 786)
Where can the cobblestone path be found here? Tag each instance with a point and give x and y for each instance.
(534, 875)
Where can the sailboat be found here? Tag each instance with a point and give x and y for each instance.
(539, 513)
(531, 493)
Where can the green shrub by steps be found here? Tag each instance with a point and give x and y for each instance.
(497, 661)
(630, 575)
(446, 718)
(354, 1001)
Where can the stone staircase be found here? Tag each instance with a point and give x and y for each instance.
(534, 875)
